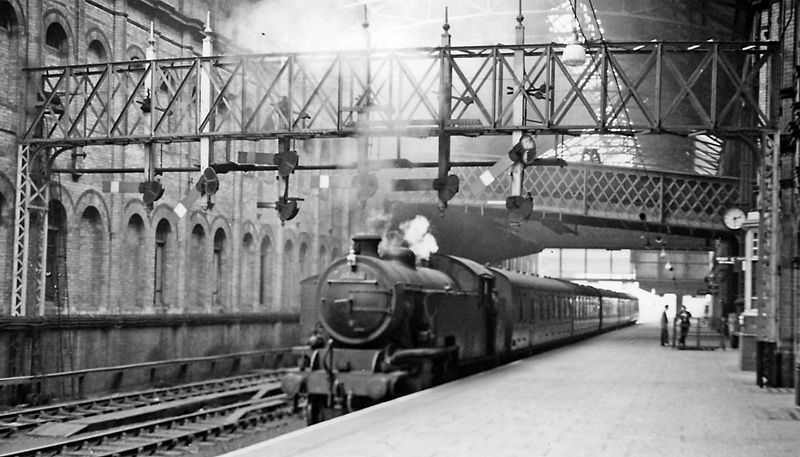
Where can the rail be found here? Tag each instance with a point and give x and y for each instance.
(161, 436)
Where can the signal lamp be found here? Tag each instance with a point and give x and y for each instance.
(524, 151)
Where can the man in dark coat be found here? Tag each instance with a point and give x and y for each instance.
(664, 327)
(684, 320)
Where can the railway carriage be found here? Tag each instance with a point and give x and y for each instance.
(385, 325)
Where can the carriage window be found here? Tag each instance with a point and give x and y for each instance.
(543, 309)
(528, 307)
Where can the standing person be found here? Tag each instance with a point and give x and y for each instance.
(684, 321)
(664, 327)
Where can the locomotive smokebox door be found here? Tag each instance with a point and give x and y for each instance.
(356, 311)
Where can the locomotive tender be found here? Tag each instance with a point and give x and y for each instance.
(384, 326)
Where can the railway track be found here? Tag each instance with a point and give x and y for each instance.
(172, 436)
(24, 420)
(165, 421)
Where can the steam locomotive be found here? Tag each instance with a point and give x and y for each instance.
(383, 326)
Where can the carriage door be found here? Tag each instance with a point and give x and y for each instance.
(487, 300)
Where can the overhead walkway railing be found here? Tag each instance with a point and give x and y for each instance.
(624, 87)
(625, 195)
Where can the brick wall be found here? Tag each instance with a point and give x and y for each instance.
(112, 237)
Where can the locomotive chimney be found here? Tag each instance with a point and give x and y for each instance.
(366, 245)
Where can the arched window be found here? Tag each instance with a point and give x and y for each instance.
(88, 296)
(96, 52)
(303, 260)
(160, 279)
(219, 277)
(135, 53)
(197, 300)
(290, 278)
(323, 259)
(265, 260)
(56, 38)
(55, 275)
(8, 17)
(134, 277)
(10, 57)
(246, 283)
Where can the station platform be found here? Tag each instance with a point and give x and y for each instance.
(617, 394)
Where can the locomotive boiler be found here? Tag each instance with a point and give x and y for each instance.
(385, 325)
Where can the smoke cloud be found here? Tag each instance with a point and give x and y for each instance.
(416, 233)
(300, 25)
(378, 222)
(264, 26)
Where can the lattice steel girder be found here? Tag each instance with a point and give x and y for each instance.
(601, 192)
(650, 86)
(29, 235)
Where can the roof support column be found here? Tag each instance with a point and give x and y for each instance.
(205, 96)
(518, 168)
(445, 111)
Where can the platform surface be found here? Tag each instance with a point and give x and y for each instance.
(618, 394)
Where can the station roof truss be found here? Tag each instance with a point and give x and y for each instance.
(632, 87)
(684, 88)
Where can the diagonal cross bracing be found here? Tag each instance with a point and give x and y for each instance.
(675, 87)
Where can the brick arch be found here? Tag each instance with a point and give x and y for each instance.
(166, 265)
(290, 272)
(249, 227)
(163, 211)
(198, 218)
(88, 244)
(247, 293)
(134, 51)
(133, 260)
(323, 254)
(266, 231)
(19, 12)
(53, 16)
(96, 34)
(8, 193)
(13, 59)
(93, 198)
(221, 275)
(221, 222)
(305, 255)
(136, 206)
(198, 256)
(268, 268)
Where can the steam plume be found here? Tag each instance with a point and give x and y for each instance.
(416, 233)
